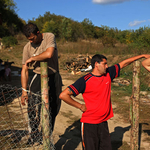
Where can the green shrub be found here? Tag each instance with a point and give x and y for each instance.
(108, 41)
(9, 41)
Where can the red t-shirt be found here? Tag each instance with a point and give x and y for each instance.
(96, 92)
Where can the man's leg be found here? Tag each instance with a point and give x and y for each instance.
(105, 140)
(95, 136)
(90, 140)
(34, 108)
(55, 84)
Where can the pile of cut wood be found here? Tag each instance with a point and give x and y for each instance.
(79, 63)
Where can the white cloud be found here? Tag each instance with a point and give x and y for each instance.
(109, 1)
(136, 23)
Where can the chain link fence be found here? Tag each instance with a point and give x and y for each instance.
(15, 132)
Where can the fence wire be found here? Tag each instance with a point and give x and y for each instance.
(14, 121)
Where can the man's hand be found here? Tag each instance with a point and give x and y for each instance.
(83, 107)
(147, 56)
(28, 61)
(146, 64)
(24, 98)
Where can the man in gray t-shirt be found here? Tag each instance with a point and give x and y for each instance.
(41, 47)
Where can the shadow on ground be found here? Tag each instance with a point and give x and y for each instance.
(71, 138)
(117, 136)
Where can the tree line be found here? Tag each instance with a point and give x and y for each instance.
(69, 30)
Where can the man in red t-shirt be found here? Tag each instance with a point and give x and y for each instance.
(96, 88)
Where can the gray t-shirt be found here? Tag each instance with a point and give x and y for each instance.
(31, 49)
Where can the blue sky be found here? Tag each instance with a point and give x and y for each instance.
(120, 14)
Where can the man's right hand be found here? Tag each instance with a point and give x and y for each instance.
(83, 107)
(24, 98)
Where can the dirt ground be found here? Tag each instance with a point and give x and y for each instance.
(66, 135)
(67, 128)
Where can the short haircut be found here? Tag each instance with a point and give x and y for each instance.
(30, 28)
(97, 58)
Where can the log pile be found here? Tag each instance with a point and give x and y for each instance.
(76, 64)
(121, 82)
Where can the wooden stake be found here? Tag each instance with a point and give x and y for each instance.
(134, 107)
(45, 107)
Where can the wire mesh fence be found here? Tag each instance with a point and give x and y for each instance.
(21, 126)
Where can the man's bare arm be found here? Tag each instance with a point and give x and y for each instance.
(24, 83)
(66, 97)
(43, 56)
(128, 61)
(146, 64)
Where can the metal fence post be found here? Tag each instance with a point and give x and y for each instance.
(45, 107)
(134, 107)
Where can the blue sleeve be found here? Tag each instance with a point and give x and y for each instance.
(114, 71)
(78, 86)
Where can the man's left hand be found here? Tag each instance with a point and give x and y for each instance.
(28, 61)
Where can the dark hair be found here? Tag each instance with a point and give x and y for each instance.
(30, 28)
(97, 58)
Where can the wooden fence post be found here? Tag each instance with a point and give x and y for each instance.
(45, 107)
(134, 107)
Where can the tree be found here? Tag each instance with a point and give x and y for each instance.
(66, 28)
(11, 23)
(144, 38)
(50, 26)
(88, 28)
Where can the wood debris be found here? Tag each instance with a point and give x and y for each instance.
(76, 64)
